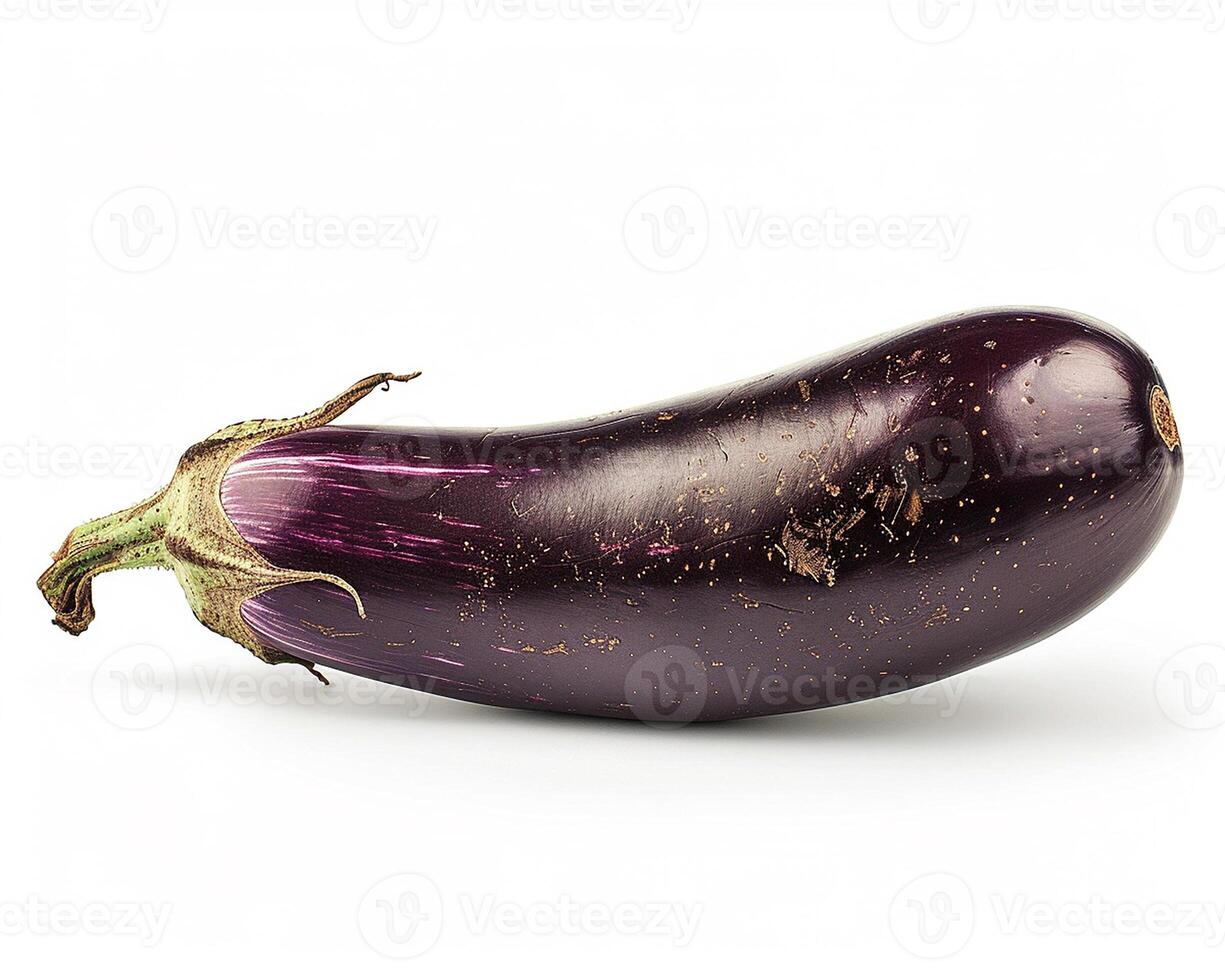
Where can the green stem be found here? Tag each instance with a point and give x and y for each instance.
(131, 538)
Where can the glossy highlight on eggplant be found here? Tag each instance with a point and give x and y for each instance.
(859, 525)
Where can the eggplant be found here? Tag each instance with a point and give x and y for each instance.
(859, 525)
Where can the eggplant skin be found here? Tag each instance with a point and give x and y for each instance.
(858, 525)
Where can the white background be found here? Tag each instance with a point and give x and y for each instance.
(1057, 810)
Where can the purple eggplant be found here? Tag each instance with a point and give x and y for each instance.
(859, 525)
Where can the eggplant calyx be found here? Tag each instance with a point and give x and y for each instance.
(184, 527)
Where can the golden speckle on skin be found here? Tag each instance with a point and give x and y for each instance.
(938, 617)
(914, 507)
(805, 555)
(553, 651)
(328, 631)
